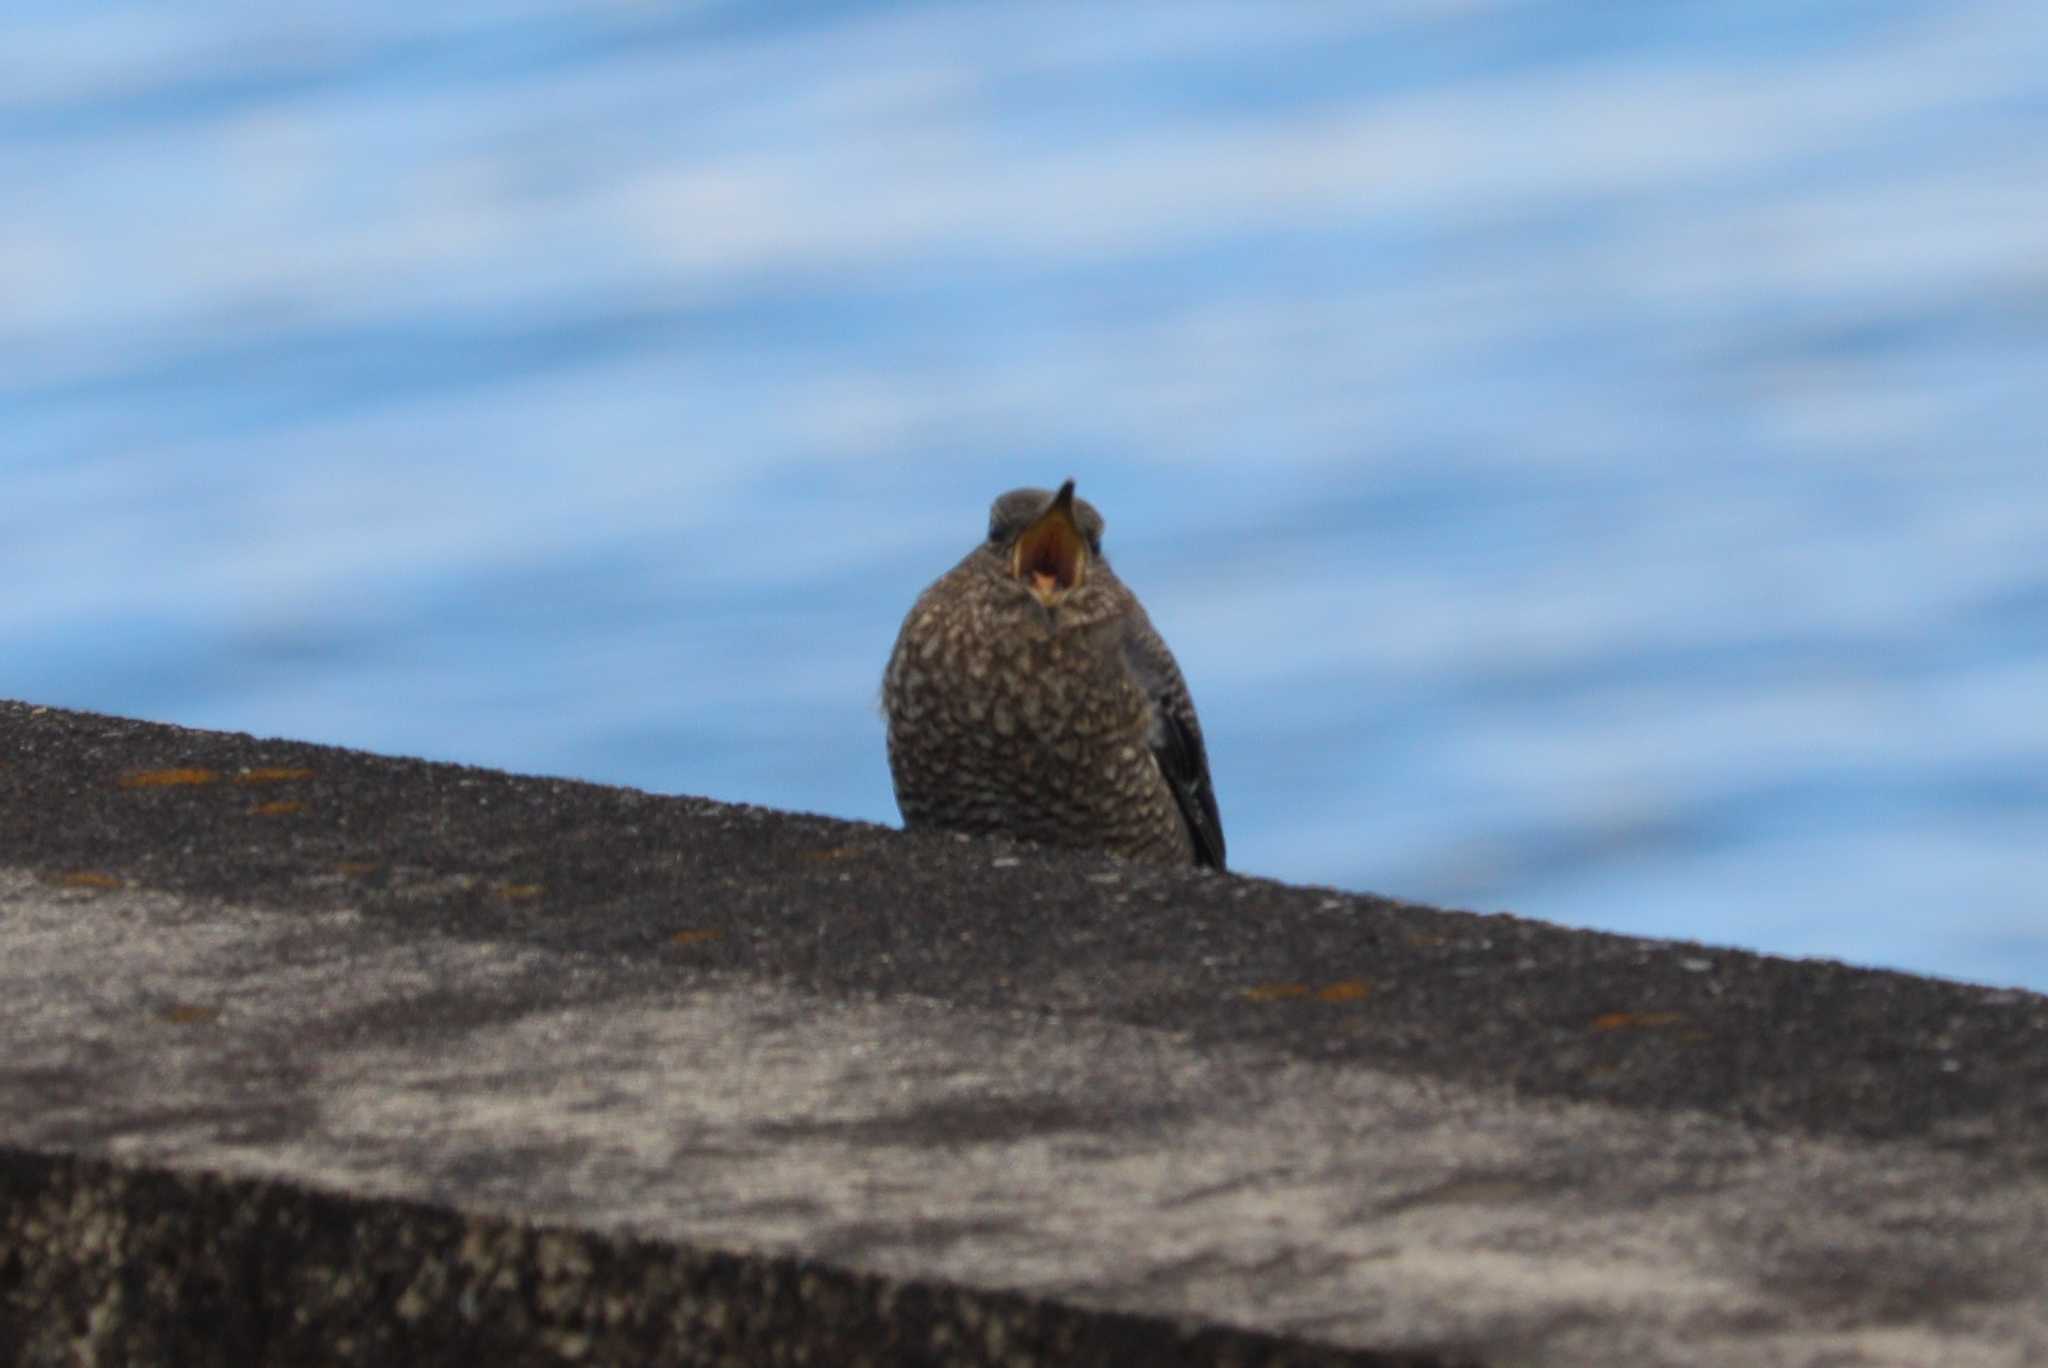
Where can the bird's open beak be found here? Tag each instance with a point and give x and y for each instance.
(1051, 555)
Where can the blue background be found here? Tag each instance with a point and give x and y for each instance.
(1587, 458)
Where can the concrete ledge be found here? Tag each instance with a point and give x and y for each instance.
(320, 1055)
(122, 1265)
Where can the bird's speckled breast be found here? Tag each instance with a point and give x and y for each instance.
(1008, 717)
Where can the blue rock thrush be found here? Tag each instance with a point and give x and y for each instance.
(1029, 696)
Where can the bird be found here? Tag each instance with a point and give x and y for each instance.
(1028, 695)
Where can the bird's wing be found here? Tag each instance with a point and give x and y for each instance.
(1176, 737)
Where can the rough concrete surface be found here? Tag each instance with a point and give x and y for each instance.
(309, 1055)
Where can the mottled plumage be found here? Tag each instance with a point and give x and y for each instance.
(1029, 696)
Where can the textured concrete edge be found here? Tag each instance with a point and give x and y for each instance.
(105, 1262)
(849, 909)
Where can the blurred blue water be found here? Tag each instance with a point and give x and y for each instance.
(1586, 458)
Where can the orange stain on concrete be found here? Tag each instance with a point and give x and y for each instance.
(1343, 990)
(1622, 1021)
(168, 778)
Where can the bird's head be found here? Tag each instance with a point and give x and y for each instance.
(1045, 542)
